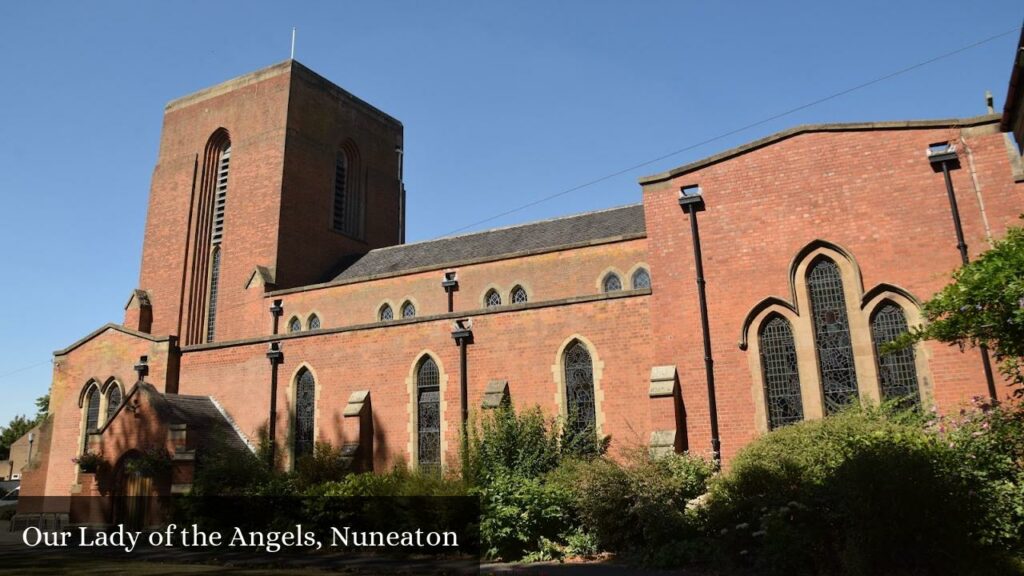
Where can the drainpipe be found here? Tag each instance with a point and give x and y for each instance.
(463, 336)
(276, 356)
(451, 286)
(275, 311)
(142, 368)
(943, 157)
(692, 201)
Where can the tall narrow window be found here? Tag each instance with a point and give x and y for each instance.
(220, 198)
(211, 318)
(781, 378)
(314, 322)
(305, 410)
(897, 371)
(386, 313)
(832, 334)
(294, 325)
(612, 283)
(113, 400)
(408, 310)
(641, 279)
(92, 413)
(92, 410)
(492, 298)
(518, 295)
(348, 210)
(579, 389)
(428, 414)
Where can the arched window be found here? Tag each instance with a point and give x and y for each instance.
(897, 371)
(579, 389)
(348, 210)
(492, 298)
(641, 279)
(305, 410)
(518, 295)
(314, 322)
(113, 400)
(385, 313)
(428, 414)
(220, 198)
(295, 325)
(612, 282)
(92, 410)
(408, 310)
(832, 334)
(781, 378)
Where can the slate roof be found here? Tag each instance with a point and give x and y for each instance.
(492, 244)
(206, 423)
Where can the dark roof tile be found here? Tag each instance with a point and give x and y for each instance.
(536, 236)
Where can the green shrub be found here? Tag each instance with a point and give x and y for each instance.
(638, 507)
(521, 516)
(988, 443)
(400, 481)
(860, 492)
(325, 464)
(523, 444)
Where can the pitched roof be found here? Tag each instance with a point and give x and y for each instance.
(204, 419)
(543, 236)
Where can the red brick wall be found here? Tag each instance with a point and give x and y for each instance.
(320, 119)
(520, 346)
(285, 126)
(870, 191)
(110, 354)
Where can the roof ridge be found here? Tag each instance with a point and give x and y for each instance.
(509, 227)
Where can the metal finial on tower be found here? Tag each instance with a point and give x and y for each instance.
(293, 43)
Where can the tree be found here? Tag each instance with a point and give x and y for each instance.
(15, 429)
(42, 407)
(984, 305)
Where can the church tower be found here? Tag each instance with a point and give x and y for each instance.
(278, 174)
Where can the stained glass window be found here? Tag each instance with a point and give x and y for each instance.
(897, 372)
(428, 419)
(641, 279)
(518, 295)
(305, 409)
(579, 388)
(386, 313)
(113, 400)
(832, 335)
(781, 378)
(314, 322)
(92, 410)
(492, 298)
(612, 283)
(408, 310)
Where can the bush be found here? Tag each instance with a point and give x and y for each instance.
(508, 443)
(861, 492)
(398, 482)
(988, 443)
(521, 515)
(325, 464)
(638, 507)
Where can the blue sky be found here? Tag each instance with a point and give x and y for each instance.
(503, 104)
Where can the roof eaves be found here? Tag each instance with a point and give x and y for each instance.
(812, 128)
(104, 328)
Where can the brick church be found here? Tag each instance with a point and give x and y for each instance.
(277, 295)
